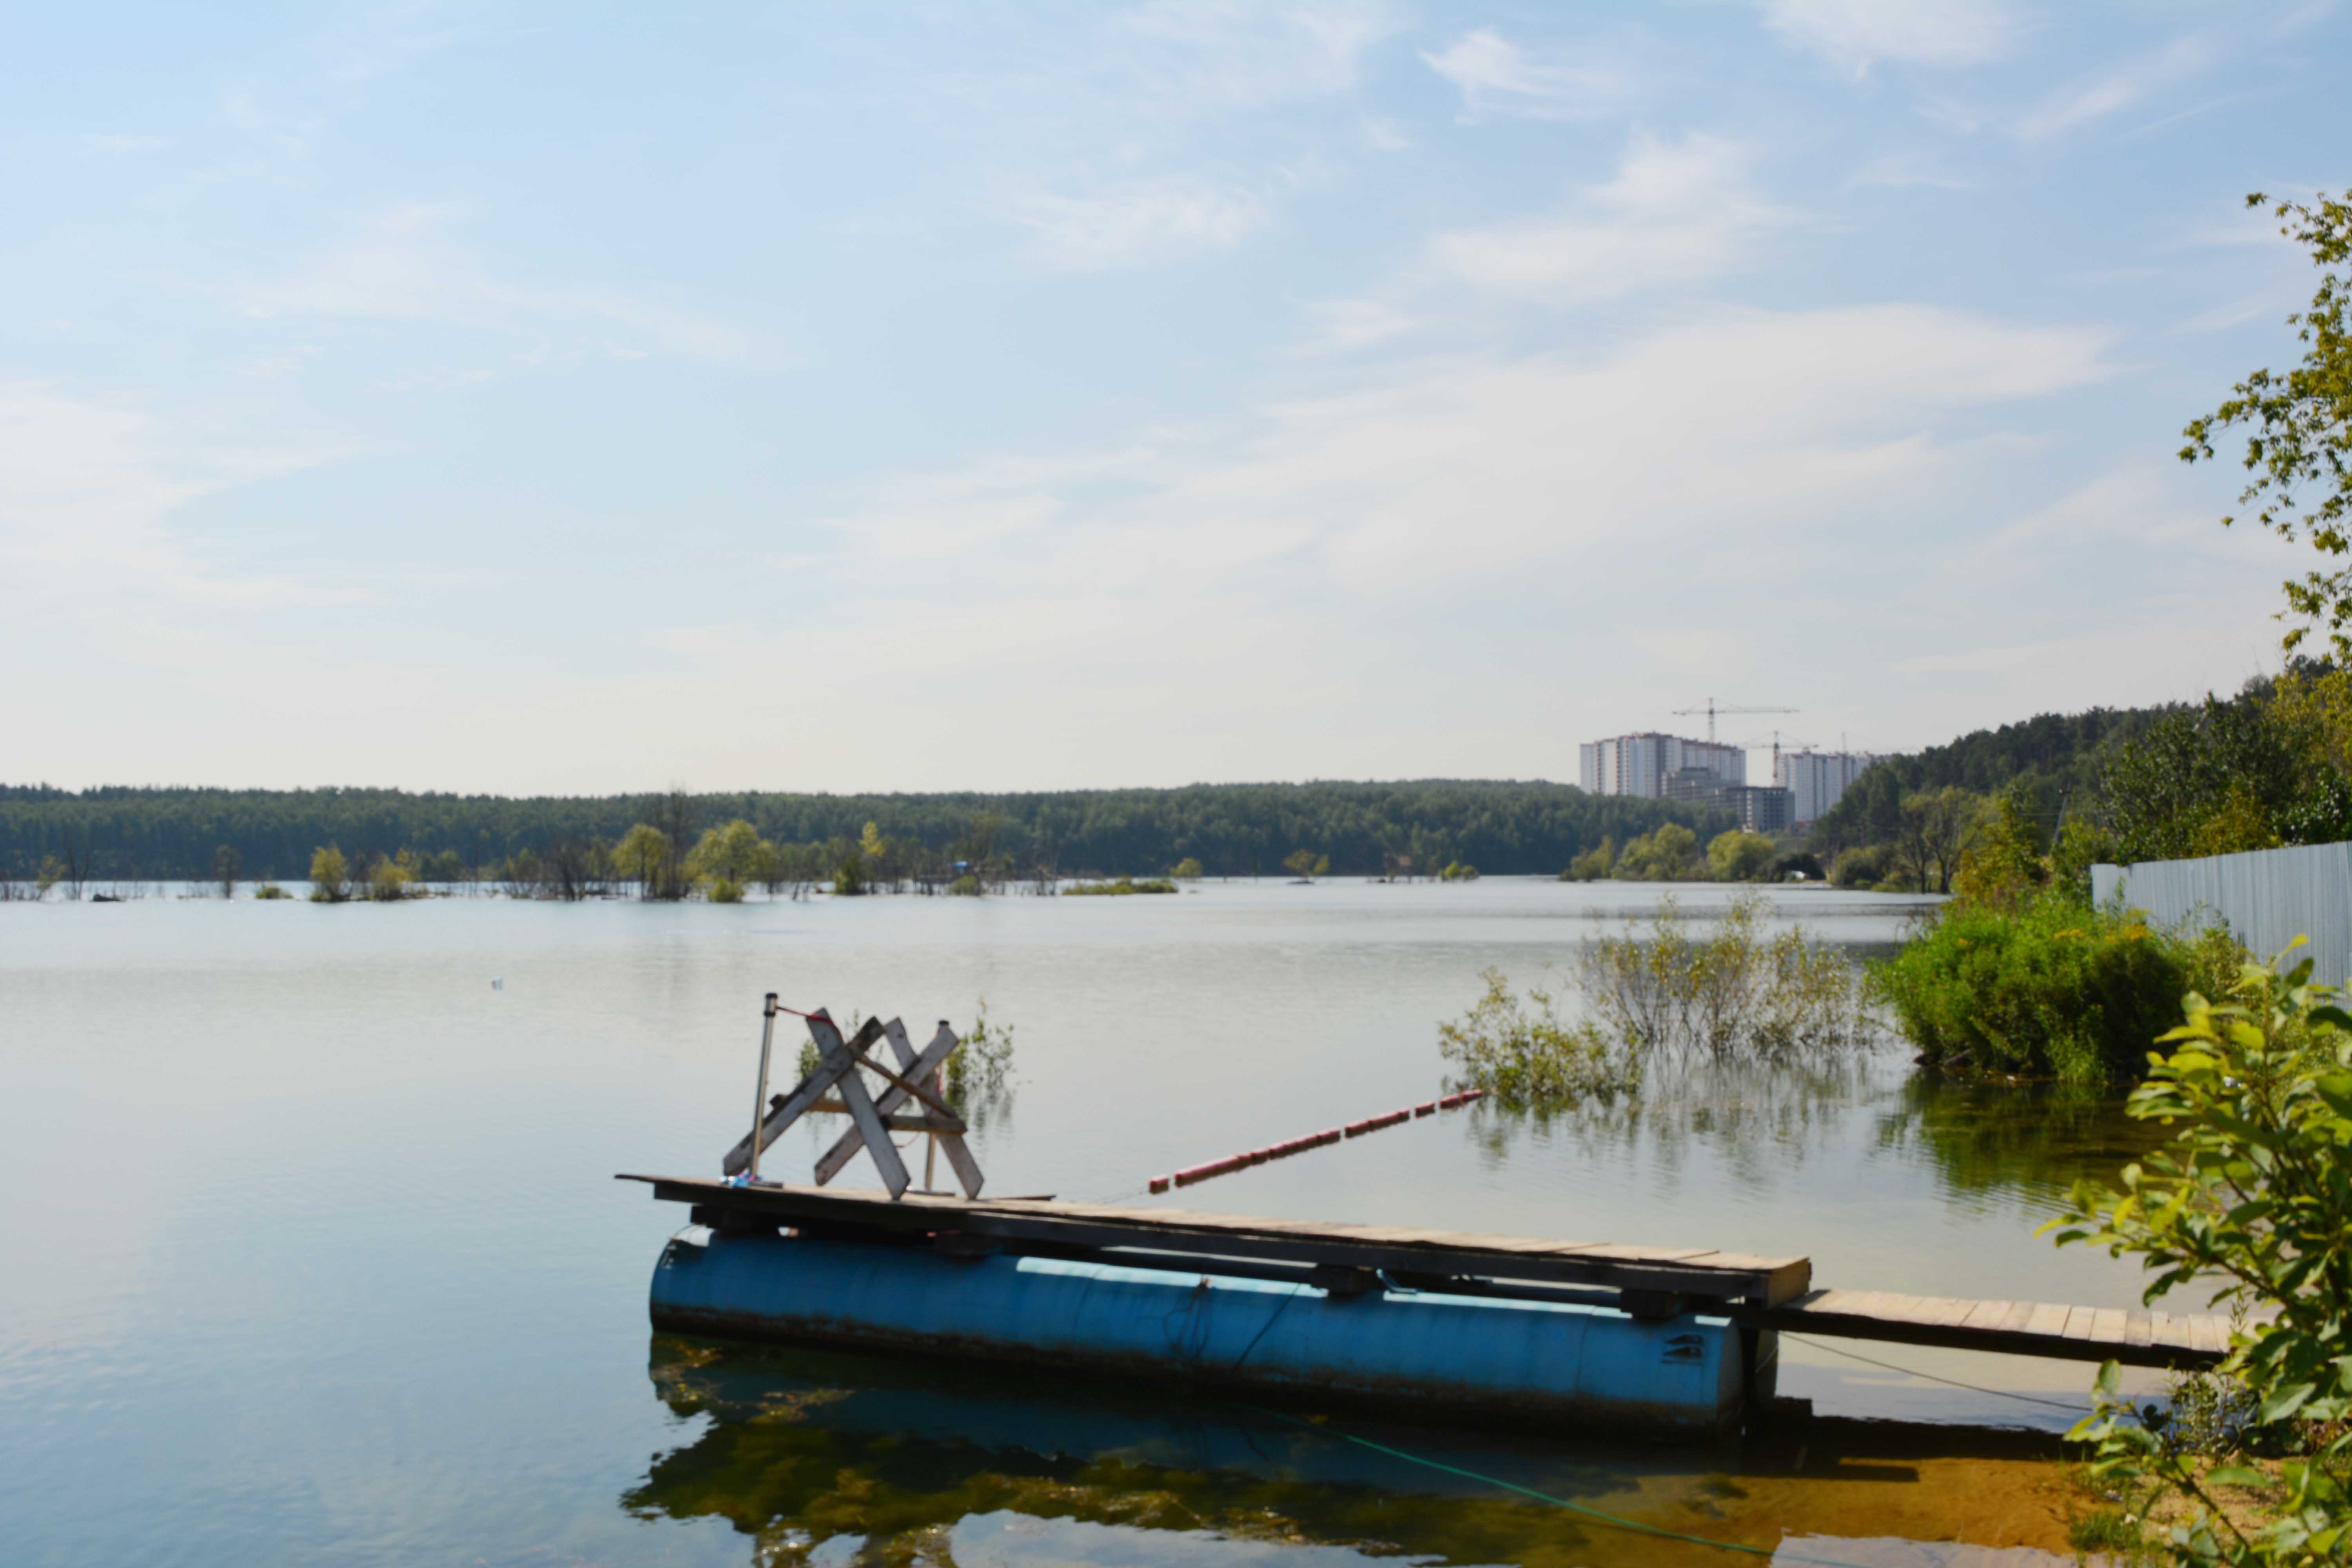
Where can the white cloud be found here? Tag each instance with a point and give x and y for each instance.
(2102, 93)
(402, 263)
(1852, 34)
(1456, 476)
(1675, 213)
(1495, 76)
(87, 493)
(1219, 55)
(1139, 222)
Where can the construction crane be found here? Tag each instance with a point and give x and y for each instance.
(1714, 708)
(1791, 742)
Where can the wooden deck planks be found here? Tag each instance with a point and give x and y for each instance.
(1697, 1273)
(2017, 1327)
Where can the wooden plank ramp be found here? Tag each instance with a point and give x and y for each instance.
(1650, 1281)
(2135, 1338)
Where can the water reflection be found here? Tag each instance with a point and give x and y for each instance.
(2028, 1140)
(1987, 1143)
(819, 1457)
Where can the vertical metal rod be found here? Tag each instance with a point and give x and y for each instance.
(759, 1096)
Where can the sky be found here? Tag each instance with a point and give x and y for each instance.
(577, 399)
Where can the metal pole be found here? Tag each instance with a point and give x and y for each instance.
(759, 1098)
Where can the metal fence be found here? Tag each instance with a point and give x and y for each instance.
(2267, 896)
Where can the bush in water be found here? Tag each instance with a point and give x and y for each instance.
(2050, 988)
(1658, 999)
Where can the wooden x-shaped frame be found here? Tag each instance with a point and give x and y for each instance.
(837, 1085)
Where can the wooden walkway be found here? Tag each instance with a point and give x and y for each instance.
(2014, 1328)
(1647, 1281)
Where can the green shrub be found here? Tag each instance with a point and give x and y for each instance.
(1532, 1061)
(1458, 872)
(2051, 988)
(2248, 1203)
(1592, 864)
(1120, 887)
(964, 887)
(271, 890)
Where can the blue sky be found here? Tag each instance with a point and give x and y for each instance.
(572, 399)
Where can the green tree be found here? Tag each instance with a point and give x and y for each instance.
(1669, 855)
(226, 862)
(1591, 865)
(2251, 1195)
(2002, 868)
(1306, 864)
(1740, 857)
(2300, 439)
(1186, 871)
(331, 876)
(2244, 774)
(1935, 830)
(392, 878)
(644, 855)
(726, 859)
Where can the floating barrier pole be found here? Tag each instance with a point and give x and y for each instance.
(1282, 1150)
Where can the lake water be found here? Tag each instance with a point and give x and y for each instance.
(315, 1255)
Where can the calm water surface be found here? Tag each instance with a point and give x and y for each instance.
(315, 1254)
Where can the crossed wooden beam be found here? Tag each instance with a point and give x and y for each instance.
(838, 1086)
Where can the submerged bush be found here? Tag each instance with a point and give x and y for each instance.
(1731, 992)
(1531, 1060)
(1120, 887)
(1658, 999)
(2052, 987)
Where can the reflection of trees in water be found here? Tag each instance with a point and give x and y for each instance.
(1986, 1142)
(1759, 1120)
(2034, 1141)
(806, 1446)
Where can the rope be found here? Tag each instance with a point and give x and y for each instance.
(2072, 1409)
(1613, 1521)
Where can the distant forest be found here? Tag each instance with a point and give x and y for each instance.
(1233, 830)
(2053, 762)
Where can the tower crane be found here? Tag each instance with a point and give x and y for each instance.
(1714, 708)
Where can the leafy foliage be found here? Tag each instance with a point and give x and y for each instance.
(1531, 1060)
(2301, 423)
(2051, 987)
(2047, 763)
(1669, 855)
(2253, 1196)
(1740, 857)
(2221, 778)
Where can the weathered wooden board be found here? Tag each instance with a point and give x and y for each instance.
(1699, 1274)
(2015, 1327)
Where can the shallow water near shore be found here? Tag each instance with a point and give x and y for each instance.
(317, 1256)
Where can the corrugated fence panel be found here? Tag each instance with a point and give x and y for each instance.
(2267, 896)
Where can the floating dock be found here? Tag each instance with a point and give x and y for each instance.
(1680, 1339)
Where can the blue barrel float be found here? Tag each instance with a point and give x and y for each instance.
(1545, 1361)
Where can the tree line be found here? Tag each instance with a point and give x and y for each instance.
(117, 833)
(2270, 766)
